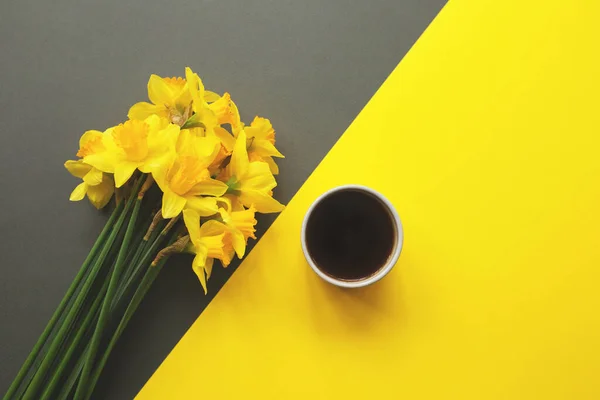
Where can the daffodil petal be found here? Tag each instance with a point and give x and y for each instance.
(161, 148)
(123, 172)
(172, 204)
(162, 137)
(195, 87)
(104, 161)
(208, 117)
(79, 192)
(226, 201)
(208, 267)
(205, 206)
(143, 110)
(236, 123)
(264, 148)
(191, 218)
(212, 228)
(157, 162)
(156, 123)
(261, 201)
(211, 97)
(259, 177)
(160, 176)
(185, 139)
(77, 168)
(100, 195)
(225, 137)
(239, 243)
(159, 91)
(208, 147)
(182, 97)
(208, 187)
(94, 177)
(192, 142)
(272, 165)
(198, 266)
(239, 159)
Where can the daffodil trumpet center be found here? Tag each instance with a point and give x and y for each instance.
(185, 173)
(132, 138)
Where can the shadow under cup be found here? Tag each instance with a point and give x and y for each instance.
(352, 236)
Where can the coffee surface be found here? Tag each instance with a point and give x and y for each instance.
(350, 235)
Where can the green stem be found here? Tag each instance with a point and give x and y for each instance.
(132, 274)
(67, 387)
(63, 304)
(50, 356)
(138, 296)
(138, 244)
(112, 287)
(69, 384)
(71, 343)
(149, 250)
(83, 330)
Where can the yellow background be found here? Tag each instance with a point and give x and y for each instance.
(486, 139)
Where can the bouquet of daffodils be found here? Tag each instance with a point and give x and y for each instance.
(186, 176)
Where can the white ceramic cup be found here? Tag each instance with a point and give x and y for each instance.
(394, 254)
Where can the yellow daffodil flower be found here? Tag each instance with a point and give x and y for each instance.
(208, 243)
(252, 182)
(98, 187)
(143, 145)
(261, 143)
(241, 227)
(91, 142)
(170, 99)
(185, 179)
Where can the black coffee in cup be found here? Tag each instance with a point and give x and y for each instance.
(350, 235)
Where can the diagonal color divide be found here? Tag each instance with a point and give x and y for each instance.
(495, 295)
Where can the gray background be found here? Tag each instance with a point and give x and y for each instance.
(72, 65)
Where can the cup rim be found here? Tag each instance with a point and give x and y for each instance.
(382, 271)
